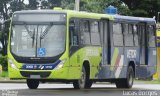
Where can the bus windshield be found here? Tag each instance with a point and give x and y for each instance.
(46, 40)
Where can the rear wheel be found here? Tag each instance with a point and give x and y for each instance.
(127, 82)
(84, 81)
(32, 83)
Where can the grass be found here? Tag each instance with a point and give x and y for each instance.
(4, 74)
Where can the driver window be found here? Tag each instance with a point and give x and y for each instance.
(73, 33)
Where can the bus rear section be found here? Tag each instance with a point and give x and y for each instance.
(128, 50)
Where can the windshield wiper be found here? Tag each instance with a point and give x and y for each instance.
(29, 32)
(45, 31)
(33, 37)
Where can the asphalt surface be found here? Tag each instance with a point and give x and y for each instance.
(21, 89)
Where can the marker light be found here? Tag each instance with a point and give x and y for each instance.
(12, 64)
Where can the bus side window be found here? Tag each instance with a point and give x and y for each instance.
(73, 33)
(95, 33)
(84, 32)
(128, 34)
(135, 33)
(151, 35)
(117, 34)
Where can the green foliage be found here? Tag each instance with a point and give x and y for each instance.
(139, 13)
(16, 5)
(98, 6)
(4, 74)
(4, 63)
(67, 4)
(32, 4)
(144, 8)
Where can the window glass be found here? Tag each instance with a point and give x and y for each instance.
(95, 34)
(73, 33)
(84, 30)
(135, 33)
(151, 36)
(128, 36)
(125, 28)
(117, 34)
(117, 28)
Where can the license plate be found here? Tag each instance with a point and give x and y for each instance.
(35, 76)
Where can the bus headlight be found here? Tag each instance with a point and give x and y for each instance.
(12, 64)
(60, 65)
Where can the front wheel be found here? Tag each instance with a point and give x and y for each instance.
(127, 82)
(32, 83)
(84, 81)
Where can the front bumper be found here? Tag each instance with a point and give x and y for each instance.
(38, 74)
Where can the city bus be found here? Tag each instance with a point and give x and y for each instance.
(80, 48)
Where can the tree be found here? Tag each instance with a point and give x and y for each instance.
(16, 5)
(97, 6)
(4, 12)
(33, 4)
(54, 3)
(6, 8)
(144, 8)
(67, 4)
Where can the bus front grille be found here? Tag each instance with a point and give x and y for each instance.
(29, 74)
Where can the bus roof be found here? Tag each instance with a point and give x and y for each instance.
(70, 13)
(38, 11)
(83, 14)
(133, 19)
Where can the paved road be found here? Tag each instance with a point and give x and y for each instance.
(20, 89)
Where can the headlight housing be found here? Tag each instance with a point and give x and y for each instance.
(60, 65)
(12, 64)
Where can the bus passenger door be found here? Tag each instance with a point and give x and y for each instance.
(141, 70)
(104, 68)
(152, 50)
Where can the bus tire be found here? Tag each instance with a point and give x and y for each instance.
(83, 82)
(127, 82)
(32, 83)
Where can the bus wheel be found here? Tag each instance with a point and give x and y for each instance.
(32, 83)
(84, 81)
(127, 82)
